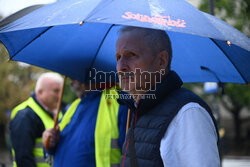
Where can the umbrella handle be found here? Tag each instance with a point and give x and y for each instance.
(59, 103)
(128, 121)
(57, 112)
(46, 143)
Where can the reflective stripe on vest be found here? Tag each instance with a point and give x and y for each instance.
(46, 119)
(69, 113)
(14, 159)
(47, 122)
(107, 132)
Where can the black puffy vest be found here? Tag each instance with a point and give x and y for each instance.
(153, 119)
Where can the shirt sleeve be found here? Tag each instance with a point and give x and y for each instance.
(191, 139)
(23, 132)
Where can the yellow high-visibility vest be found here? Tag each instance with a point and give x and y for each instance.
(48, 123)
(107, 150)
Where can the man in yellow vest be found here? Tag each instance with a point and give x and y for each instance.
(30, 118)
(91, 132)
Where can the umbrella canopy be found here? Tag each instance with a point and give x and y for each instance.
(73, 36)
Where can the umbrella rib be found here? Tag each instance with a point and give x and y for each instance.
(92, 63)
(30, 42)
(211, 71)
(230, 60)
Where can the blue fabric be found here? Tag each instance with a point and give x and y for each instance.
(122, 122)
(17, 40)
(238, 57)
(200, 52)
(76, 146)
(51, 37)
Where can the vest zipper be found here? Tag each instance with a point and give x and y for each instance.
(127, 144)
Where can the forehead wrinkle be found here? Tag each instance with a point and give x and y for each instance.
(134, 41)
(128, 44)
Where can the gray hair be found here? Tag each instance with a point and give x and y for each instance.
(158, 40)
(48, 75)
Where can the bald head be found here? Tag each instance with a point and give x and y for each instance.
(48, 89)
(45, 79)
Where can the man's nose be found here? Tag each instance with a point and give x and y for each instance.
(122, 65)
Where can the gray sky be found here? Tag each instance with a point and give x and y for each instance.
(7, 7)
(194, 2)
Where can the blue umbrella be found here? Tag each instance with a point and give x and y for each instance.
(74, 36)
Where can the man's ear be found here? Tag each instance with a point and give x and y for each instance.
(40, 91)
(163, 59)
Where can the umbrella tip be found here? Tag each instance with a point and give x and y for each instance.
(9, 59)
(81, 23)
(229, 43)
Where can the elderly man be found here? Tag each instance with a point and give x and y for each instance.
(171, 125)
(31, 118)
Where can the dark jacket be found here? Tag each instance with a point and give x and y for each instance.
(24, 129)
(151, 119)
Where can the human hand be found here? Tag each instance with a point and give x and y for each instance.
(51, 138)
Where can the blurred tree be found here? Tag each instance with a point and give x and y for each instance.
(68, 96)
(236, 13)
(236, 97)
(16, 82)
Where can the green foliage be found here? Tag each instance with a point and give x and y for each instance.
(234, 12)
(238, 94)
(68, 95)
(16, 82)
